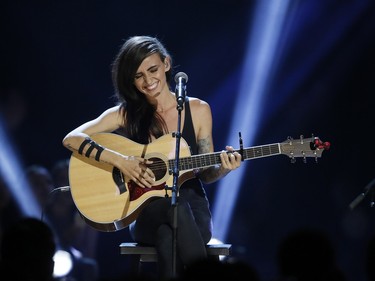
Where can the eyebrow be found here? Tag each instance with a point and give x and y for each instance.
(148, 69)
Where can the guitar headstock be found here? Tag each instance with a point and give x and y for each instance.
(309, 147)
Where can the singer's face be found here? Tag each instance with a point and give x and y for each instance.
(150, 77)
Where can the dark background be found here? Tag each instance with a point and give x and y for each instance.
(55, 75)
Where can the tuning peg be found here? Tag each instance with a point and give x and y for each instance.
(326, 145)
(292, 159)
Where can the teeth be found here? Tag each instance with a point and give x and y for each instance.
(151, 87)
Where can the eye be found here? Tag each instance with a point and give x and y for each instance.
(154, 69)
(137, 76)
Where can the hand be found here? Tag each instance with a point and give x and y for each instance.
(135, 169)
(230, 159)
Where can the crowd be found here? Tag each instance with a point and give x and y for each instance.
(58, 213)
(304, 255)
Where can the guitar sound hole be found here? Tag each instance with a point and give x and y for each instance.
(118, 178)
(158, 167)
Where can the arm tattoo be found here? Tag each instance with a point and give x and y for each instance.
(203, 145)
(212, 173)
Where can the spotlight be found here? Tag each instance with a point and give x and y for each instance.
(63, 263)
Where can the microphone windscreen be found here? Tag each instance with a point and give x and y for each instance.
(182, 75)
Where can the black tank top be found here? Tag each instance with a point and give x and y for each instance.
(188, 131)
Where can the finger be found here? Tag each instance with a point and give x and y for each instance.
(231, 162)
(144, 161)
(141, 170)
(223, 156)
(150, 173)
(147, 182)
(148, 162)
(138, 182)
(145, 172)
(225, 159)
(149, 179)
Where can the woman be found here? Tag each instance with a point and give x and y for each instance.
(141, 73)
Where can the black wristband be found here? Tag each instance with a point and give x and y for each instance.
(93, 145)
(99, 152)
(90, 149)
(83, 144)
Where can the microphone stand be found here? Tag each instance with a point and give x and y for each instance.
(360, 197)
(176, 172)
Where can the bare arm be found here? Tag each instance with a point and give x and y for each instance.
(229, 162)
(202, 118)
(78, 140)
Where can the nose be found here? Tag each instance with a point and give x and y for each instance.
(147, 79)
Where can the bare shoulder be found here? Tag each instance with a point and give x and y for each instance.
(199, 106)
(202, 118)
(108, 120)
(113, 114)
(112, 110)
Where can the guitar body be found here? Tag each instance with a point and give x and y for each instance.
(109, 202)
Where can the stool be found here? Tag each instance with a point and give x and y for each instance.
(141, 254)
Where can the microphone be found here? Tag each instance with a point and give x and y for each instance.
(181, 79)
(361, 196)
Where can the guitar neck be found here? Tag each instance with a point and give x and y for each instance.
(211, 159)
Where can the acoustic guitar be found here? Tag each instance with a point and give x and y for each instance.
(107, 201)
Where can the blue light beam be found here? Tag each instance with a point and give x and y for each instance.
(14, 177)
(259, 62)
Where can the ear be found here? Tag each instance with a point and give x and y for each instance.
(167, 63)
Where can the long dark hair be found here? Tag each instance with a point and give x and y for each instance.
(141, 121)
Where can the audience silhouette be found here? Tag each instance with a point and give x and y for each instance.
(61, 215)
(370, 259)
(28, 244)
(74, 230)
(308, 255)
(27, 250)
(9, 212)
(229, 269)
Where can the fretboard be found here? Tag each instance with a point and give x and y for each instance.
(211, 159)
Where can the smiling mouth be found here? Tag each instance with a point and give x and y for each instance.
(152, 87)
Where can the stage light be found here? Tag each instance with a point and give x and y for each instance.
(63, 263)
(12, 172)
(260, 59)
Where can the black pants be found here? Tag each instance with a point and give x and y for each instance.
(155, 224)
